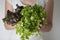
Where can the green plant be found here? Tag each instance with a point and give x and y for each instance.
(31, 20)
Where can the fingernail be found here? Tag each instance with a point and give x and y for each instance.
(43, 18)
(40, 25)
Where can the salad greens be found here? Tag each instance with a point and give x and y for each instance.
(31, 20)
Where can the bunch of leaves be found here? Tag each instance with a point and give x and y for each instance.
(31, 20)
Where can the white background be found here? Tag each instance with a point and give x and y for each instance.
(54, 34)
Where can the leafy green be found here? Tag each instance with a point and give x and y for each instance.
(29, 23)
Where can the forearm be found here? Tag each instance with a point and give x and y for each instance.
(8, 6)
(49, 12)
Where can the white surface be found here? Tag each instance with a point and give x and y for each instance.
(53, 35)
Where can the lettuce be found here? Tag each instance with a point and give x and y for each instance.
(31, 20)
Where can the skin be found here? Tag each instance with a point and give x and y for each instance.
(48, 8)
(49, 11)
(10, 7)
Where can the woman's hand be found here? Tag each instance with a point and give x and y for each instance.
(9, 27)
(45, 28)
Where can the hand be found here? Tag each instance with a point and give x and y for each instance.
(45, 28)
(42, 28)
(9, 27)
(28, 2)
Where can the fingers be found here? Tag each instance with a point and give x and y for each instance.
(9, 27)
(42, 26)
